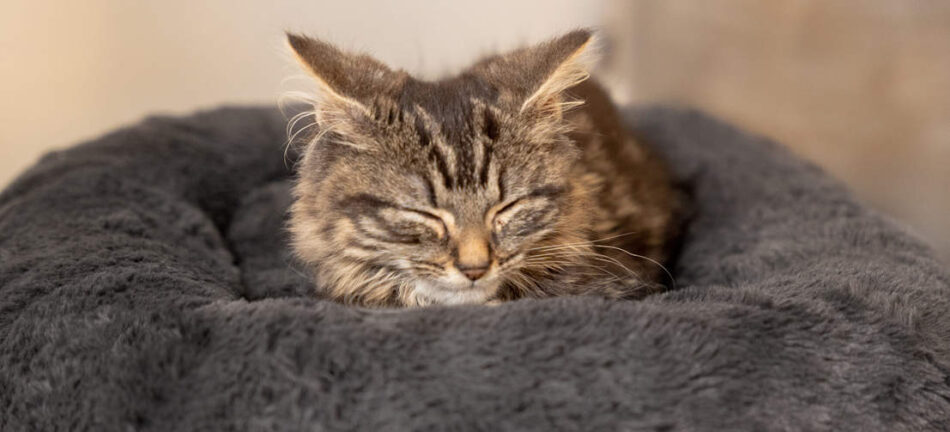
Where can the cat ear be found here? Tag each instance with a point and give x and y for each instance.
(344, 78)
(537, 76)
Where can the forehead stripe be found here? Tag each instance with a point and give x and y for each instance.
(486, 161)
(436, 156)
(430, 191)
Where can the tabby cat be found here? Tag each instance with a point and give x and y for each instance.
(513, 179)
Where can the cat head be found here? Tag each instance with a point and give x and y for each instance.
(419, 192)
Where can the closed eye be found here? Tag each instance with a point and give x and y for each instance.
(422, 217)
(387, 221)
(508, 206)
(412, 226)
(526, 215)
(541, 195)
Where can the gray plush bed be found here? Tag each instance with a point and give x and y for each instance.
(145, 285)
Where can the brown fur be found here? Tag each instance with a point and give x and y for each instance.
(492, 185)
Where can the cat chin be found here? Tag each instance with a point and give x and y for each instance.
(434, 293)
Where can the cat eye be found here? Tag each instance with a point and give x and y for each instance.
(523, 216)
(412, 226)
(386, 221)
(527, 214)
(507, 207)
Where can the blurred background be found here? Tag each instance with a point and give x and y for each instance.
(860, 87)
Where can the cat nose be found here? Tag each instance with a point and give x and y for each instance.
(475, 272)
(473, 254)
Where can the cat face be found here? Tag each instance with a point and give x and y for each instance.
(435, 192)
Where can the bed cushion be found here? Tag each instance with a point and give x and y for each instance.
(145, 284)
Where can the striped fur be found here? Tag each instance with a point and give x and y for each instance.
(405, 184)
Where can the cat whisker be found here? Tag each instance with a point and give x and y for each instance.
(295, 119)
(658, 264)
(293, 138)
(552, 251)
(593, 255)
(573, 263)
(586, 242)
(521, 284)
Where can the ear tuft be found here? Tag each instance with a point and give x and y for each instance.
(574, 58)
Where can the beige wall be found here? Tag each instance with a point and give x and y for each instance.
(861, 87)
(73, 70)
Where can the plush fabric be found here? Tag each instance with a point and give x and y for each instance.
(145, 284)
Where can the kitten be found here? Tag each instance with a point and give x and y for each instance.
(512, 179)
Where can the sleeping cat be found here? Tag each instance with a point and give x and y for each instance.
(514, 179)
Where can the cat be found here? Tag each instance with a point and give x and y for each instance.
(513, 179)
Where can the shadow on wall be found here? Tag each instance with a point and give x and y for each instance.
(861, 87)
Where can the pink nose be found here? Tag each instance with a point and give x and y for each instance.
(475, 272)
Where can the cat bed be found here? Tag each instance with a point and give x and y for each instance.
(145, 284)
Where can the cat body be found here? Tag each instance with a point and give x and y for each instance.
(513, 179)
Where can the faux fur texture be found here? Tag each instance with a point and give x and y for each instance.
(145, 285)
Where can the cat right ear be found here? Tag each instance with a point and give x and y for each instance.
(345, 80)
(537, 76)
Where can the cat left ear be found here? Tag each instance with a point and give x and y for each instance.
(538, 75)
(342, 77)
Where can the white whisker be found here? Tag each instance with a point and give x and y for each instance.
(658, 264)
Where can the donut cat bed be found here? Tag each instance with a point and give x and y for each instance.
(145, 285)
